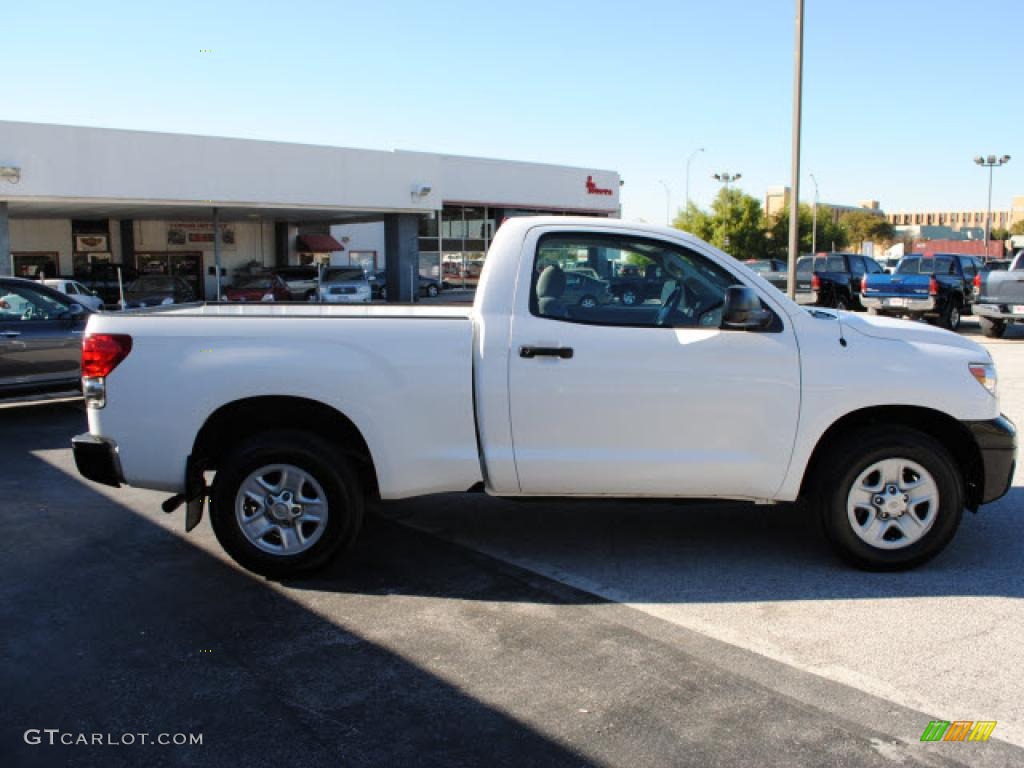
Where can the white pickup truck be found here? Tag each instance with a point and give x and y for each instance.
(720, 387)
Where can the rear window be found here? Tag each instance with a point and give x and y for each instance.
(835, 263)
(909, 266)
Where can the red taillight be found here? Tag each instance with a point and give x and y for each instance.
(103, 352)
(815, 282)
(864, 284)
(977, 282)
(933, 286)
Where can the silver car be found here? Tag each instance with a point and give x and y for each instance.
(344, 285)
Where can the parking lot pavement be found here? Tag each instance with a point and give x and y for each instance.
(945, 638)
(417, 652)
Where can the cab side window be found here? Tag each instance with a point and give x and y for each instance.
(617, 280)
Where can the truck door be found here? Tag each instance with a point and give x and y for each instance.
(651, 399)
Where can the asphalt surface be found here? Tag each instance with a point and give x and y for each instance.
(610, 634)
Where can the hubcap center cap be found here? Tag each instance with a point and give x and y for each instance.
(892, 502)
(282, 508)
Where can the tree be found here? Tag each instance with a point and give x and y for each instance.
(1000, 234)
(735, 224)
(1017, 228)
(866, 225)
(830, 233)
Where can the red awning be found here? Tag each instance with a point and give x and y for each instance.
(317, 244)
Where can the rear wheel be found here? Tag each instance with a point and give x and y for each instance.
(588, 302)
(890, 498)
(630, 297)
(284, 503)
(841, 303)
(993, 329)
(950, 317)
(432, 290)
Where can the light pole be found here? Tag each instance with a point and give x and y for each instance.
(727, 178)
(814, 218)
(688, 161)
(990, 162)
(668, 202)
(794, 201)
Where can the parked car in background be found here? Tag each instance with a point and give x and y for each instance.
(40, 338)
(829, 279)
(157, 290)
(428, 286)
(763, 266)
(999, 298)
(586, 291)
(344, 285)
(258, 287)
(77, 292)
(301, 281)
(634, 284)
(996, 265)
(939, 288)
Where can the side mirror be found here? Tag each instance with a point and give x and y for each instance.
(75, 308)
(742, 311)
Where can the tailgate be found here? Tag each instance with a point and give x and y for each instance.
(909, 286)
(1002, 287)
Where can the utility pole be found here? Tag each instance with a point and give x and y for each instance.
(991, 162)
(814, 218)
(794, 202)
(668, 203)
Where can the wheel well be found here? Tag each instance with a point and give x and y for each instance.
(953, 435)
(240, 419)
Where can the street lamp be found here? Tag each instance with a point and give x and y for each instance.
(668, 201)
(727, 178)
(990, 162)
(688, 161)
(814, 217)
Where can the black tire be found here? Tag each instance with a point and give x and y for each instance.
(993, 329)
(630, 297)
(840, 302)
(312, 455)
(384, 294)
(588, 302)
(840, 469)
(951, 313)
(432, 291)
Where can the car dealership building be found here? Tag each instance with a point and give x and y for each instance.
(76, 200)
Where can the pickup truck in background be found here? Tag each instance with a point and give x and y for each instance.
(829, 279)
(939, 288)
(999, 300)
(720, 388)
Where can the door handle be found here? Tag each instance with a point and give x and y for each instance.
(530, 352)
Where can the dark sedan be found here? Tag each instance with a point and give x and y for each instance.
(428, 286)
(40, 338)
(157, 290)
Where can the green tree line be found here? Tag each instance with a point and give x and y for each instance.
(739, 226)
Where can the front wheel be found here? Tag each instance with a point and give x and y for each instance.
(890, 498)
(588, 302)
(284, 503)
(993, 329)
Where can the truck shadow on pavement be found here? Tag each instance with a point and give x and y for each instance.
(116, 625)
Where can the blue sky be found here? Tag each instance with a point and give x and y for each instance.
(899, 95)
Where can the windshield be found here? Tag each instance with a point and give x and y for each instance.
(152, 283)
(343, 275)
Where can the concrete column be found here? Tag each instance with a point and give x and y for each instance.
(127, 253)
(401, 240)
(6, 268)
(280, 243)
